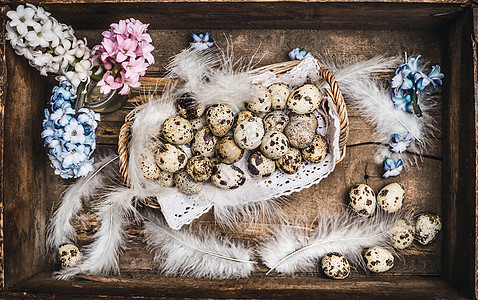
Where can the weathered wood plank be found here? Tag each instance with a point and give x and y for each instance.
(3, 93)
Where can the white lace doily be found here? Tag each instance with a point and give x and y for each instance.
(179, 209)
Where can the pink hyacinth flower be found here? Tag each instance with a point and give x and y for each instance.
(109, 83)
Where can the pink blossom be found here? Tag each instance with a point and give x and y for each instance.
(109, 83)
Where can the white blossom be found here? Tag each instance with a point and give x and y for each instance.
(22, 18)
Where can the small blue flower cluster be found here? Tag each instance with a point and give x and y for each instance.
(69, 135)
(392, 168)
(297, 54)
(201, 41)
(409, 81)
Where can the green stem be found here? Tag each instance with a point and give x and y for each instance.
(416, 107)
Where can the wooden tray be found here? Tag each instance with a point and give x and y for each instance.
(446, 182)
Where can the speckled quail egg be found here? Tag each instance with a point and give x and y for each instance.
(248, 134)
(335, 266)
(402, 234)
(274, 144)
(228, 151)
(390, 197)
(204, 143)
(165, 179)
(317, 151)
(275, 121)
(304, 99)
(214, 161)
(378, 259)
(427, 227)
(69, 255)
(199, 168)
(261, 102)
(177, 130)
(279, 93)
(290, 163)
(186, 184)
(260, 166)
(188, 108)
(227, 176)
(148, 165)
(220, 119)
(300, 134)
(198, 123)
(310, 119)
(170, 158)
(244, 115)
(362, 200)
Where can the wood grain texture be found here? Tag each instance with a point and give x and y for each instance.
(475, 72)
(23, 171)
(246, 15)
(459, 151)
(149, 285)
(3, 92)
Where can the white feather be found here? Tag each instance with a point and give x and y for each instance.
(181, 253)
(101, 256)
(374, 102)
(59, 229)
(297, 247)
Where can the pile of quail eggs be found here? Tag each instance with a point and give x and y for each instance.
(389, 199)
(276, 130)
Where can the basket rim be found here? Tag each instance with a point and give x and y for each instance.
(278, 69)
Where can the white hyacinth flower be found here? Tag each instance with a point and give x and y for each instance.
(21, 19)
(42, 36)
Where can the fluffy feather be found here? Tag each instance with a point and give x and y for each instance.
(60, 230)
(297, 247)
(181, 253)
(374, 102)
(101, 256)
(147, 122)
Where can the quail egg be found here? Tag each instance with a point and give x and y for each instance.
(165, 179)
(170, 158)
(227, 176)
(305, 99)
(69, 255)
(204, 143)
(177, 130)
(317, 151)
(188, 108)
(427, 227)
(378, 259)
(402, 234)
(248, 134)
(274, 144)
(309, 119)
(335, 266)
(290, 163)
(390, 198)
(260, 166)
(362, 200)
(199, 168)
(300, 134)
(275, 121)
(279, 93)
(228, 151)
(186, 184)
(220, 118)
(261, 102)
(244, 115)
(198, 123)
(148, 165)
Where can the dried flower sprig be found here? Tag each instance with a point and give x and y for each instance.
(125, 53)
(409, 81)
(69, 135)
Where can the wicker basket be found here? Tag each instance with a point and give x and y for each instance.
(278, 69)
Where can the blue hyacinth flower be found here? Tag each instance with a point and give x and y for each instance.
(403, 102)
(297, 54)
(399, 144)
(392, 168)
(201, 41)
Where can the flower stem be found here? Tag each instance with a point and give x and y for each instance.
(416, 107)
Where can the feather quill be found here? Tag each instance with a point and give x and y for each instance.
(297, 248)
(374, 102)
(180, 253)
(101, 256)
(59, 229)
